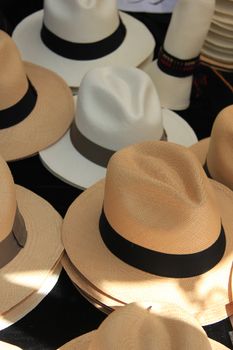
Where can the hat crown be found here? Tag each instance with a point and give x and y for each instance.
(188, 27)
(7, 201)
(219, 156)
(118, 106)
(13, 82)
(158, 197)
(81, 21)
(138, 326)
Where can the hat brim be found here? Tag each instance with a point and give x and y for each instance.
(207, 59)
(200, 149)
(89, 291)
(204, 296)
(28, 40)
(48, 121)
(31, 268)
(223, 17)
(66, 163)
(7, 346)
(28, 304)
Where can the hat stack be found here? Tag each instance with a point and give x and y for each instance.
(218, 46)
(72, 37)
(155, 227)
(30, 249)
(215, 152)
(116, 107)
(148, 326)
(172, 73)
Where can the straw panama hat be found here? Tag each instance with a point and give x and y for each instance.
(30, 249)
(146, 326)
(193, 204)
(70, 28)
(216, 151)
(172, 72)
(116, 107)
(36, 105)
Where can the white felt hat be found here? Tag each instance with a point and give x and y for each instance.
(79, 35)
(186, 33)
(116, 107)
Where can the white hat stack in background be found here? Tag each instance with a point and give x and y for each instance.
(218, 46)
(172, 73)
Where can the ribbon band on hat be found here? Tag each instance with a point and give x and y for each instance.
(176, 67)
(158, 263)
(92, 151)
(15, 240)
(83, 51)
(19, 111)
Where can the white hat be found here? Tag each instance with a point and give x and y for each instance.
(172, 73)
(116, 107)
(72, 37)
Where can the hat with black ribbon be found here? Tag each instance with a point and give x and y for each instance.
(36, 105)
(72, 37)
(116, 107)
(156, 227)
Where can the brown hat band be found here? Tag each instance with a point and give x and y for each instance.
(14, 242)
(83, 51)
(19, 111)
(162, 264)
(174, 66)
(90, 150)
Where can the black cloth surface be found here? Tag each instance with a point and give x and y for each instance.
(64, 313)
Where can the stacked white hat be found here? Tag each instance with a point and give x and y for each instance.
(172, 73)
(218, 46)
(72, 37)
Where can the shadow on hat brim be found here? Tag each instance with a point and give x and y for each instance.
(200, 149)
(204, 296)
(27, 37)
(34, 268)
(27, 305)
(66, 163)
(48, 121)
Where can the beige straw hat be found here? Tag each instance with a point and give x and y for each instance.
(148, 326)
(159, 209)
(30, 249)
(36, 106)
(72, 37)
(216, 151)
